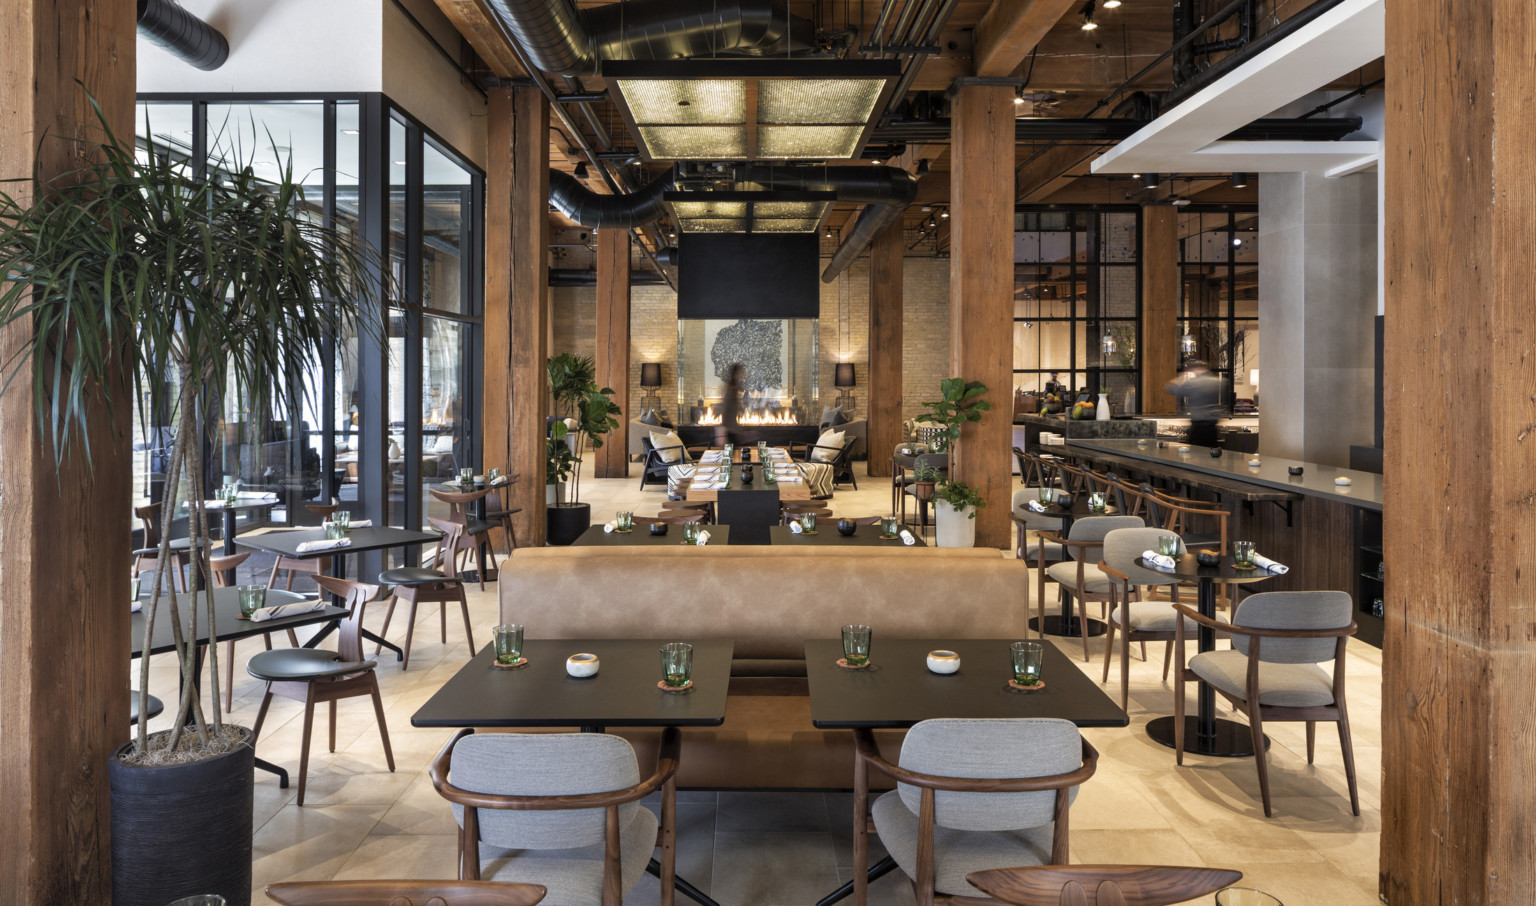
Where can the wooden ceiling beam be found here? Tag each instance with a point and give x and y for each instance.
(479, 26)
(1011, 29)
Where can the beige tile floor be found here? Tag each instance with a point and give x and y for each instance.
(766, 849)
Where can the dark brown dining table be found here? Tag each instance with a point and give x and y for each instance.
(898, 690)
(642, 537)
(1204, 732)
(828, 536)
(368, 538)
(227, 516)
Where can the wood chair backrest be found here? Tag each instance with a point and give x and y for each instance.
(404, 893)
(1179, 513)
(355, 597)
(219, 564)
(150, 516)
(324, 509)
(448, 545)
(1101, 885)
(458, 503)
(677, 517)
(858, 520)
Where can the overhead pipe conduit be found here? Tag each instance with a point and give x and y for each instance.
(596, 211)
(181, 34)
(560, 40)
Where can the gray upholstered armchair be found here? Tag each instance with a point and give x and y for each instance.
(562, 810)
(970, 795)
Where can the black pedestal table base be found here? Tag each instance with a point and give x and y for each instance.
(1228, 738)
(876, 871)
(682, 886)
(1066, 626)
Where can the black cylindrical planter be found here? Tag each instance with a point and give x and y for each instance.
(565, 523)
(183, 829)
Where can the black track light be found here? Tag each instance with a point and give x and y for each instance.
(1150, 181)
(1088, 23)
(922, 167)
(581, 169)
(1239, 180)
(828, 233)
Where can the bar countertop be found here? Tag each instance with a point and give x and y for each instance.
(1316, 480)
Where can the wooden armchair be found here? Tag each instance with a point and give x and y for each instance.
(403, 893)
(908, 820)
(146, 558)
(1080, 576)
(1183, 516)
(1102, 885)
(1270, 673)
(839, 458)
(1136, 619)
(676, 517)
(547, 760)
(653, 468)
(476, 537)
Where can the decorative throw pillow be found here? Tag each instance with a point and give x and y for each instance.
(669, 447)
(649, 417)
(828, 446)
(444, 444)
(831, 418)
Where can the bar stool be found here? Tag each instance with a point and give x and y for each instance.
(417, 585)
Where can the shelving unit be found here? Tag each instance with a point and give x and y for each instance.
(1370, 583)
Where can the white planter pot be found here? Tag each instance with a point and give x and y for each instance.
(554, 493)
(953, 528)
(1103, 408)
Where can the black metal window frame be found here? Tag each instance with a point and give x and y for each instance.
(1091, 371)
(375, 113)
(1228, 316)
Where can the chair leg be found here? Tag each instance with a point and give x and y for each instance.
(1125, 667)
(293, 638)
(261, 715)
(1082, 623)
(378, 713)
(1167, 658)
(442, 619)
(1260, 756)
(1311, 739)
(1178, 716)
(1144, 659)
(410, 630)
(333, 724)
(479, 572)
(469, 637)
(1109, 646)
(1349, 760)
(384, 630)
(309, 724)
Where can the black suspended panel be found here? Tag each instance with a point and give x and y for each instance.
(738, 275)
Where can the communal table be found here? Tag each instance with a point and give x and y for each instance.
(1205, 733)
(1065, 623)
(751, 508)
(827, 536)
(368, 538)
(898, 691)
(594, 536)
(622, 694)
(226, 610)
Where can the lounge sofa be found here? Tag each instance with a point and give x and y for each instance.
(769, 600)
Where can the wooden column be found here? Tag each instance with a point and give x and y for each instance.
(1459, 667)
(63, 530)
(885, 314)
(1159, 307)
(981, 294)
(516, 284)
(613, 343)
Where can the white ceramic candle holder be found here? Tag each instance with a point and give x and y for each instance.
(581, 665)
(942, 661)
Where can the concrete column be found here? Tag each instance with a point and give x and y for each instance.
(1317, 305)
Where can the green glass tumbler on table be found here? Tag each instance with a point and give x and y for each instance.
(334, 531)
(691, 532)
(676, 664)
(808, 523)
(492, 475)
(888, 527)
(343, 518)
(1098, 501)
(1047, 496)
(466, 477)
(624, 521)
(1027, 660)
(856, 645)
(1242, 554)
(252, 599)
(1168, 545)
(508, 639)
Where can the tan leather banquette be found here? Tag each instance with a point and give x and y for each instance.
(769, 600)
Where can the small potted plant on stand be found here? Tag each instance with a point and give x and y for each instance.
(924, 477)
(198, 291)
(578, 401)
(954, 506)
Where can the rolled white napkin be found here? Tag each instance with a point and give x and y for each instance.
(262, 614)
(499, 481)
(703, 539)
(213, 504)
(790, 479)
(907, 539)
(256, 495)
(360, 523)
(609, 527)
(1268, 565)
(1035, 505)
(321, 544)
(795, 529)
(1159, 561)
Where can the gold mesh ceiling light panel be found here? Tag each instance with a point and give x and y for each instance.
(807, 142)
(817, 101)
(694, 142)
(685, 102)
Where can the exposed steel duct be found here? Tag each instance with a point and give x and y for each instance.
(178, 32)
(596, 211)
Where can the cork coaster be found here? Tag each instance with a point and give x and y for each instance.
(662, 685)
(1018, 688)
(512, 666)
(843, 663)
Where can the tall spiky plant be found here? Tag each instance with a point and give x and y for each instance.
(132, 265)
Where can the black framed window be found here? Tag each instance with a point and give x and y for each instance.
(1077, 299)
(1219, 295)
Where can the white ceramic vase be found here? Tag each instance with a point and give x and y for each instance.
(1102, 412)
(953, 528)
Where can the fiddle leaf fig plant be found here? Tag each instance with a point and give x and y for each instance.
(961, 405)
(573, 386)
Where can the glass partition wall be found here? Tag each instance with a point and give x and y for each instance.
(1077, 300)
(381, 422)
(1219, 297)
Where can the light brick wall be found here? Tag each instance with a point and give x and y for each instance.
(925, 332)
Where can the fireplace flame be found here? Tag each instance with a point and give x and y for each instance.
(752, 419)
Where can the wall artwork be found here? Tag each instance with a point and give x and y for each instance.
(758, 344)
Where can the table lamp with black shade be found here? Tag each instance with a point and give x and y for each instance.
(843, 379)
(650, 379)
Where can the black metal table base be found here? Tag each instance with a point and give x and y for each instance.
(876, 871)
(1066, 626)
(1228, 738)
(682, 886)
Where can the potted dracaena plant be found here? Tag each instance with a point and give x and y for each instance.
(196, 291)
(584, 414)
(955, 503)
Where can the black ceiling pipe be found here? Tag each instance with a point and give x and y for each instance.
(560, 40)
(566, 277)
(182, 34)
(1062, 129)
(595, 211)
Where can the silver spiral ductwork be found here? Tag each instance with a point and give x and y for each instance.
(595, 211)
(165, 24)
(560, 40)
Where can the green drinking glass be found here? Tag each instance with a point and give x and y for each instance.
(888, 527)
(691, 532)
(1242, 554)
(1027, 658)
(808, 522)
(625, 520)
(676, 664)
(252, 599)
(508, 639)
(856, 639)
(1168, 545)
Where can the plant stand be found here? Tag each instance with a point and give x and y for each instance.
(953, 528)
(565, 522)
